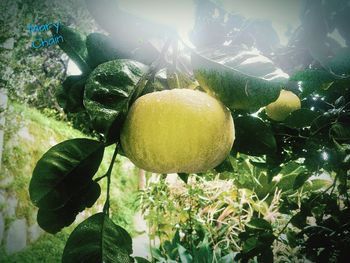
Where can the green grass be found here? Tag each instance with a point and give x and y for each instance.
(20, 156)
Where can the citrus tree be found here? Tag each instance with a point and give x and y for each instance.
(213, 110)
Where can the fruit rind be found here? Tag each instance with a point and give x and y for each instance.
(286, 103)
(177, 130)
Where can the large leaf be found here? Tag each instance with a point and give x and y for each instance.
(108, 92)
(101, 48)
(97, 240)
(228, 258)
(253, 136)
(184, 255)
(141, 260)
(258, 224)
(131, 34)
(53, 221)
(70, 94)
(312, 80)
(74, 45)
(340, 64)
(300, 179)
(243, 81)
(301, 118)
(340, 131)
(63, 171)
(321, 122)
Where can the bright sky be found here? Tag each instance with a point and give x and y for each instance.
(180, 13)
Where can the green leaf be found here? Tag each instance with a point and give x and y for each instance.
(74, 45)
(101, 48)
(170, 249)
(258, 224)
(301, 118)
(97, 240)
(266, 256)
(63, 170)
(250, 244)
(340, 131)
(203, 253)
(185, 256)
(183, 177)
(253, 136)
(53, 221)
(108, 92)
(229, 258)
(340, 64)
(70, 94)
(312, 80)
(234, 88)
(321, 122)
(301, 179)
(316, 184)
(141, 260)
(299, 220)
(289, 173)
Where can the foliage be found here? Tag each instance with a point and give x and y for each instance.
(33, 75)
(47, 248)
(28, 135)
(283, 183)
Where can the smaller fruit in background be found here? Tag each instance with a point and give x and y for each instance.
(286, 103)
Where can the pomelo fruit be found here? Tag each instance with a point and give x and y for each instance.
(177, 131)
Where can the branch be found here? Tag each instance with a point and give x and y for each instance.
(108, 174)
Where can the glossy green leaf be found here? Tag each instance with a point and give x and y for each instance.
(258, 224)
(321, 122)
(70, 94)
(301, 179)
(108, 92)
(234, 88)
(141, 260)
(183, 177)
(253, 136)
(74, 45)
(301, 118)
(340, 64)
(97, 240)
(53, 221)
(250, 244)
(101, 48)
(63, 170)
(184, 255)
(203, 252)
(312, 80)
(340, 131)
(229, 258)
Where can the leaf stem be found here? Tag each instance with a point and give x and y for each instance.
(284, 228)
(108, 174)
(100, 178)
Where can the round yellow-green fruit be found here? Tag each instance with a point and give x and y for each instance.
(286, 103)
(177, 131)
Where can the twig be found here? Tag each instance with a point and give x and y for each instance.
(100, 178)
(284, 228)
(108, 174)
